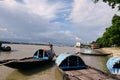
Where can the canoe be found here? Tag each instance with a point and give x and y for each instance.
(39, 58)
(80, 73)
(5, 48)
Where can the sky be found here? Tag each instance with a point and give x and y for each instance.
(56, 21)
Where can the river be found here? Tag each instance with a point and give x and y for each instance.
(49, 72)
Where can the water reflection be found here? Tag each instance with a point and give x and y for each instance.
(16, 75)
(32, 74)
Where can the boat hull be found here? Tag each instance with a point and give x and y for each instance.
(89, 73)
(7, 48)
(27, 63)
(94, 54)
(73, 68)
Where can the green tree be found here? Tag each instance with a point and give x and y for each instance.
(112, 34)
(112, 3)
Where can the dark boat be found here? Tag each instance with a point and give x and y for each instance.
(5, 48)
(39, 58)
(73, 67)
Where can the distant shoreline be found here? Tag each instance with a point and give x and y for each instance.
(24, 43)
(44, 44)
(31, 44)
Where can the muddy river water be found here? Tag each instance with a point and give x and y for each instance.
(49, 72)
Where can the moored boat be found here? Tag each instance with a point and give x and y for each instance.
(68, 66)
(69, 61)
(5, 48)
(93, 53)
(39, 58)
(113, 65)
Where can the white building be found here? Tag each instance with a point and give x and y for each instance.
(78, 44)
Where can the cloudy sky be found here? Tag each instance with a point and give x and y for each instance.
(55, 21)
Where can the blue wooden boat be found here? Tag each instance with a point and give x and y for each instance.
(39, 59)
(73, 67)
(69, 62)
(113, 65)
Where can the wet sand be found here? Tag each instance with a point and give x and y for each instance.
(114, 50)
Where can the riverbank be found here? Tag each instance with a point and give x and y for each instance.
(114, 50)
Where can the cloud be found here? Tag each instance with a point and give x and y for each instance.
(42, 8)
(3, 29)
(26, 22)
(60, 37)
(89, 19)
(84, 10)
(57, 21)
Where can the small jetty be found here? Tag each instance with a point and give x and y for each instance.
(73, 68)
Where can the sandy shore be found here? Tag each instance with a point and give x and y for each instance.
(114, 50)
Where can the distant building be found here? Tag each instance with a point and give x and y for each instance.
(78, 44)
(95, 45)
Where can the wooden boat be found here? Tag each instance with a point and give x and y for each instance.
(113, 65)
(73, 68)
(94, 54)
(5, 48)
(39, 58)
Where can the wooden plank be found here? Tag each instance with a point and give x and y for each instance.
(93, 71)
(84, 71)
(73, 73)
(88, 74)
(84, 77)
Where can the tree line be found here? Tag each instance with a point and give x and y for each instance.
(112, 34)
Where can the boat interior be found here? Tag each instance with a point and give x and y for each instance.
(41, 54)
(117, 65)
(72, 62)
